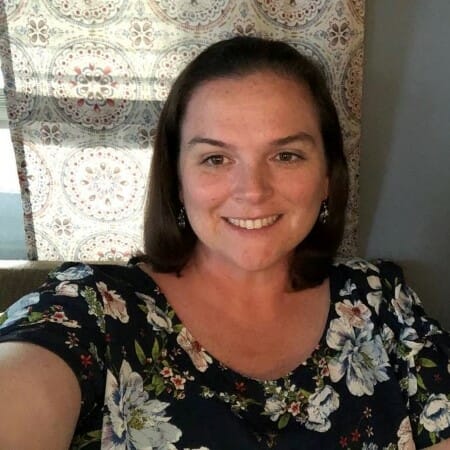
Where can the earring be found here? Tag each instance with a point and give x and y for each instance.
(181, 219)
(324, 213)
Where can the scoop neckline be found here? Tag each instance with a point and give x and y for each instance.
(219, 364)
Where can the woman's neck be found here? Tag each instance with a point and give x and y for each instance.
(266, 289)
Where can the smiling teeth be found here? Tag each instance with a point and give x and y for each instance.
(250, 224)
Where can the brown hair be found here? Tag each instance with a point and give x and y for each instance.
(166, 247)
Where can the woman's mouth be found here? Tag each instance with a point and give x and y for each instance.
(253, 224)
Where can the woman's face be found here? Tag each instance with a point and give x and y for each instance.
(252, 169)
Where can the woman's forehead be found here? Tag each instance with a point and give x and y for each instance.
(257, 99)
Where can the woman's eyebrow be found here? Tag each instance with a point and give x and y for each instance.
(204, 140)
(298, 137)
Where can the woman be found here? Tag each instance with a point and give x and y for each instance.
(235, 330)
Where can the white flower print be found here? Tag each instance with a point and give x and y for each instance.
(67, 289)
(274, 407)
(199, 357)
(403, 303)
(18, 310)
(409, 338)
(77, 272)
(320, 405)
(72, 340)
(370, 446)
(201, 448)
(134, 421)
(355, 313)
(361, 264)
(374, 298)
(155, 315)
(388, 338)
(405, 436)
(412, 380)
(435, 416)
(348, 288)
(114, 305)
(362, 359)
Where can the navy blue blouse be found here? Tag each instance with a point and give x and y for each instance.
(379, 378)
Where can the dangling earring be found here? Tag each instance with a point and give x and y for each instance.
(324, 213)
(181, 219)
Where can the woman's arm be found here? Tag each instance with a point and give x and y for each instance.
(39, 398)
(444, 445)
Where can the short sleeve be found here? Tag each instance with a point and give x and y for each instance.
(419, 351)
(66, 317)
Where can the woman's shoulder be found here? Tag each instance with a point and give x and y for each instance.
(382, 267)
(75, 293)
(78, 271)
(378, 285)
(368, 278)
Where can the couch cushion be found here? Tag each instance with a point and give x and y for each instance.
(18, 278)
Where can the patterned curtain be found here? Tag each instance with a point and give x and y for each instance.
(85, 82)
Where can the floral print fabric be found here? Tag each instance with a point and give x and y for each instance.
(378, 379)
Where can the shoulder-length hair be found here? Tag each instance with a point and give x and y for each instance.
(166, 247)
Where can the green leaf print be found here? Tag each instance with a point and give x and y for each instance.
(3, 317)
(82, 441)
(155, 350)
(284, 420)
(35, 317)
(157, 384)
(433, 437)
(177, 328)
(420, 382)
(140, 353)
(95, 307)
(425, 362)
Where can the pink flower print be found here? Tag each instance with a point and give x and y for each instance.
(178, 381)
(405, 436)
(60, 317)
(199, 357)
(356, 313)
(166, 372)
(294, 408)
(113, 303)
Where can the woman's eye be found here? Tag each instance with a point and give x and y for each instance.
(215, 160)
(287, 157)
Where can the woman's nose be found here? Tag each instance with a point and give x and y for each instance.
(253, 183)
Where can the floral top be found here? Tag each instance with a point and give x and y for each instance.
(379, 378)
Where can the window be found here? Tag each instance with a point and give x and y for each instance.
(12, 235)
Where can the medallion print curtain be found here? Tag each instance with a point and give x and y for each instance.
(85, 82)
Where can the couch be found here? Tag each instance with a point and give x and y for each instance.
(21, 277)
